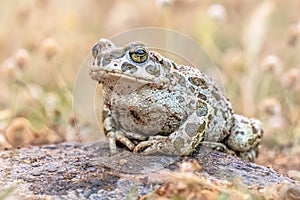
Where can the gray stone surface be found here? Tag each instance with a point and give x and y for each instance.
(71, 170)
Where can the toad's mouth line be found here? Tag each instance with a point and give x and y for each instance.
(106, 73)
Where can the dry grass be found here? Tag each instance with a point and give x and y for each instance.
(254, 43)
(186, 184)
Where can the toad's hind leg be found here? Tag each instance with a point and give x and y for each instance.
(178, 143)
(184, 140)
(245, 136)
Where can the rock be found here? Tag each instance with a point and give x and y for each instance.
(71, 170)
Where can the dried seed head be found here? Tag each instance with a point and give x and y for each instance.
(49, 47)
(22, 58)
(3, 142)
(10, 70)
(51, 137)
(247, 197)
(217, 12)
(42, 3)
(164, 3)
(35, 90)
(272, 63)
(270, 106)
(19, 133)
(23, 11)
(293, 33)
(291, 79)
(276, 122)
(51, 101)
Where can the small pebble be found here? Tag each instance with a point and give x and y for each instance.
(68, 145)
(92, 164)
(74, 170)
(91, 169)
(51, 146)
(36, 173)
(36, 164)
(51, 168)
(123, 161)
(61, 170)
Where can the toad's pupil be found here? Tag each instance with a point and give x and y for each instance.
(140, 52)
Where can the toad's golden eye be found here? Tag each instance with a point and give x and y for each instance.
(138, 54)
(95, 50)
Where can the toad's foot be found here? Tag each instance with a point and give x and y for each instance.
(249, 155)
(245, 136)
(217, 146)
(151, 146)
(114, 136)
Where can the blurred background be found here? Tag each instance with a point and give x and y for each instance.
(254, 43)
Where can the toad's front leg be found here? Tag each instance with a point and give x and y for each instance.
(115, 135)
(184, 140)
